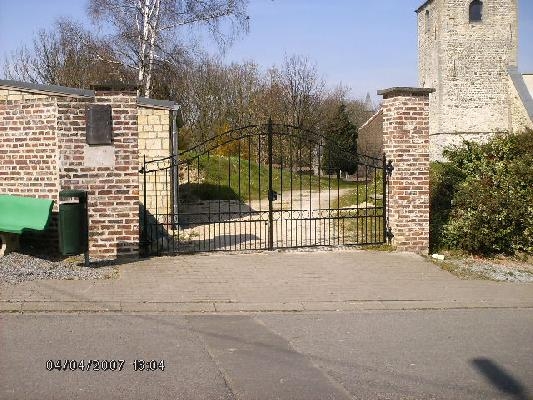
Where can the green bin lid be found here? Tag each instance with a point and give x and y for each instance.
(73, 193)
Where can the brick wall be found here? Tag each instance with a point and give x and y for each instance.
(28, 154)
(17, 95)
(406, 143)
(43, 150)
(28, 146)
(112, 186)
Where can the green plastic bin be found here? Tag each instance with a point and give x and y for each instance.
(73, 222)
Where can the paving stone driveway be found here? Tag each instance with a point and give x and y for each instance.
(270, 281)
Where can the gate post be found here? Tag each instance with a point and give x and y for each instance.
(406, 144)
(270, 189)
(144, 233)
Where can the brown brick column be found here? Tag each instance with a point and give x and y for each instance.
(406, 144)
(109, 173)
(115, 219)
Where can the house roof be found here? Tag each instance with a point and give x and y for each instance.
(524, 92)
(423, 6)
(154, 103)
(65, 91)
(46, 89)
(372, 118)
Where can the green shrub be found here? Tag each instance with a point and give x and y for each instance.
(444, 180)
(491, 186)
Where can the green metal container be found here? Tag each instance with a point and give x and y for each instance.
(73, 222)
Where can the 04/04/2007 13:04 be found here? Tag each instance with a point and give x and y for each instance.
(104, 365)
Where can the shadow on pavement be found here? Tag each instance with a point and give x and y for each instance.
(500, 379)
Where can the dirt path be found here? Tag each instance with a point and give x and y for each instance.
(300, 218)
(302, 200)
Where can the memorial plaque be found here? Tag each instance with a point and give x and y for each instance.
(99, 129)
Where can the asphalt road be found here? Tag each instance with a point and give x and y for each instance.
(449, 354)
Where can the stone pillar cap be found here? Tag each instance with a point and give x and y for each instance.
(409, 91)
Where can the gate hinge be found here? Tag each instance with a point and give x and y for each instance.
(390, 235)
(389, 168)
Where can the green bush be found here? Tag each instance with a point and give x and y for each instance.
(482, 200)
(444, 180)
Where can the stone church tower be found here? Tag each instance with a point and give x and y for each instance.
(467, 51)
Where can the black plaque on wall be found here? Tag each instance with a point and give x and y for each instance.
(99, 127)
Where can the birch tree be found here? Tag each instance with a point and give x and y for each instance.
(147, 31)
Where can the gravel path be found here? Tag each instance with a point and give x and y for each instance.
(296, 228)
(16, 268)
(500, 270)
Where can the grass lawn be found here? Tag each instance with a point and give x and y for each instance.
(364, 225)
(371, 192)
(228, 178)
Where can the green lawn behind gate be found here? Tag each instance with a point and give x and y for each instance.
(228, 178)
(370, 192)
(365, 223)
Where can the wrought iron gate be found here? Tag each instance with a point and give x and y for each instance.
(262, 187)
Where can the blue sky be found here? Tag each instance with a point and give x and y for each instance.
(365, 44)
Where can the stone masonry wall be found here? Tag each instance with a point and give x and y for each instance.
(467, 64)
(429, 47)
(154, 133)
(154, 144)
(406, 143)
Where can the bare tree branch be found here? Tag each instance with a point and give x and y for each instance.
(154, 26)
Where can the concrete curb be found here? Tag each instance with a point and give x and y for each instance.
(233, 307)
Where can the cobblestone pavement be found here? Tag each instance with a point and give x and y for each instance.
(270, 281)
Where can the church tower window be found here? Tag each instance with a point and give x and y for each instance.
(476, 11)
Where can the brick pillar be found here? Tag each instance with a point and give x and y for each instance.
(114, 222)
(108, 172)
(406, 144)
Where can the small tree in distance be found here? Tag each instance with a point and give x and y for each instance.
(340, 148)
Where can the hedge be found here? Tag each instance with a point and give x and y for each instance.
(482, 198)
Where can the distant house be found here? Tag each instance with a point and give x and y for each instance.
(370, 136)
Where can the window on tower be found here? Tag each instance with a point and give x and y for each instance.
(476, 11)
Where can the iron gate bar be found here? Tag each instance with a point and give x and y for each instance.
(281, 191)
(384, 193)
(308, 229)
(229, 204)
(291, 167)
(209, 208)
(270, 189)
(239, 183)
